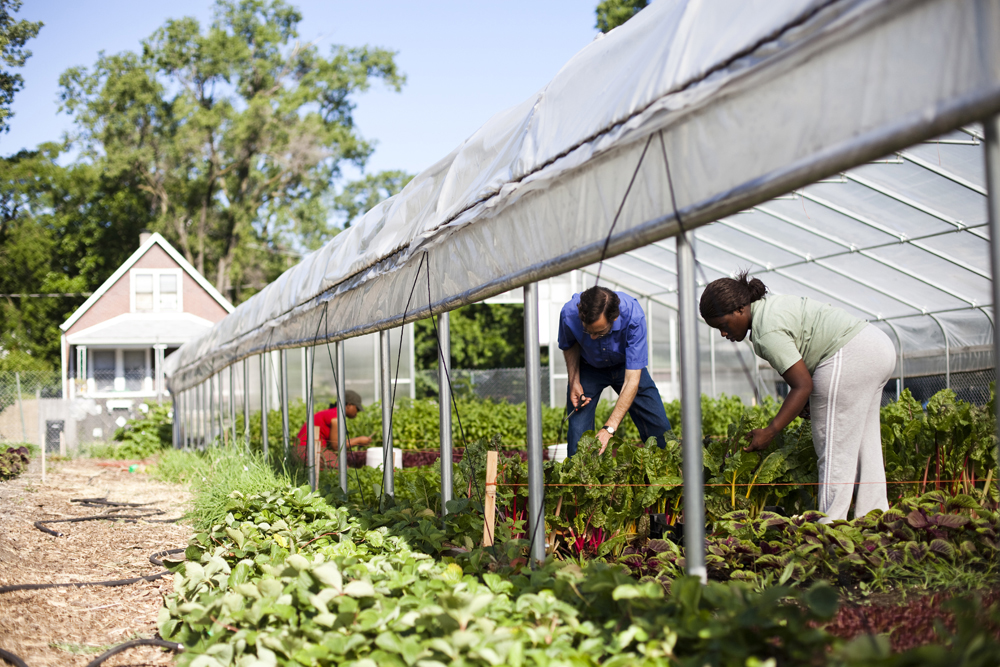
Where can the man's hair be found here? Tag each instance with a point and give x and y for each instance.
(598, 301)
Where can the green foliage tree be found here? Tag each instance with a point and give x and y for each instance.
(234, 133)
(482, 336)
(13, 36)
(63, 230)
(359, 197)
(613, 13)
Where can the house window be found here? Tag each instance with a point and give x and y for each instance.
(156, 290)
(168, 291)
(143, 292)
(134, 363)
(103, 369)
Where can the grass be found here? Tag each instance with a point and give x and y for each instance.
(214, 475)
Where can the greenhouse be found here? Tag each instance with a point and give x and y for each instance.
(842, 150)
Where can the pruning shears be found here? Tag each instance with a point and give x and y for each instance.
(568, 415)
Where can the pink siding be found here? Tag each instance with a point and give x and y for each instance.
(115, 301)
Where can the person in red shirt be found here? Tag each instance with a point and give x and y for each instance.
(327, 422)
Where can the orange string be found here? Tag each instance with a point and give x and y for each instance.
(730, 485)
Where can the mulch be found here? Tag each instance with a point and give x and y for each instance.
(71, 626)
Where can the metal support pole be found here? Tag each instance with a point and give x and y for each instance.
(311, 469)
(202, 426)
(992, 126)
(341, 420)
(674, 385)
(263, 403)
(412, 345)
(694, 492)
(283, 363)
(444, 408)
(246, 403)
(232, 399)
(185, 398)
(210, 417)
(20, 407)
(533, 404)
(388, 477)
(711, 350)
(222, 409)
(176, 423)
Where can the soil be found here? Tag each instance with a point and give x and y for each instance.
(72, 626)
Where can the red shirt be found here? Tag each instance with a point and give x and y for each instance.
(324, 419)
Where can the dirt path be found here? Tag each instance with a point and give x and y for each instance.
(71, 626)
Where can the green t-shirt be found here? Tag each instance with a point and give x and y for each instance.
(786, 328)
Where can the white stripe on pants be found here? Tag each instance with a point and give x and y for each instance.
(845, 401)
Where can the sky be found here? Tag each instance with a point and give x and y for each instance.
(464, 61)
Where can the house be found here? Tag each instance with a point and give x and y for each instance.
(114, 344)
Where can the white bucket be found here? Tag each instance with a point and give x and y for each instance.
(375, 456)
(557, 452)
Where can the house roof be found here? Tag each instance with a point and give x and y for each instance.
(143, 329)
(154, 239)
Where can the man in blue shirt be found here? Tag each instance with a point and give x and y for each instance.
(603, 336)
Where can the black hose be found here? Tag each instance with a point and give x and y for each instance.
(131, 518)
(173, 646)
(80, 584)
(12, 659)
(104, 502)
(156, 559)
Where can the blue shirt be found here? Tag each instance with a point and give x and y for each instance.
(626, 343)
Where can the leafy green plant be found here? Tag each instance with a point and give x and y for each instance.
(287, 579)
(140, 437)
(902, 544)
(13, 461)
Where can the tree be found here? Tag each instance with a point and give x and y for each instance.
(13, 37)
(359, 197)
(613, 13)
(63, 231)
(235, 134)
(482, 336)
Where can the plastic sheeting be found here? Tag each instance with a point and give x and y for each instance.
(741, 102)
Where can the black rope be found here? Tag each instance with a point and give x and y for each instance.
(698, 265)
(621, 207)
(399, 357)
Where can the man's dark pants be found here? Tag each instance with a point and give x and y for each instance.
(646, 411)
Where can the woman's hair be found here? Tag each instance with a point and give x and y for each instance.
(726, 295)
(598, 301)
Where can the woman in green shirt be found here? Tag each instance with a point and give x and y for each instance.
(833, 362)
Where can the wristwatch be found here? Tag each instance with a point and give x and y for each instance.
(609, 429)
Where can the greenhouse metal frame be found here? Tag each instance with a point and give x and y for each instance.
(845, 150)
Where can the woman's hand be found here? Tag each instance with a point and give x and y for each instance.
(760, 438)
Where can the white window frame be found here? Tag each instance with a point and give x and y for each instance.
(156, 273)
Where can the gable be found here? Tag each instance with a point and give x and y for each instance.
(114, 296)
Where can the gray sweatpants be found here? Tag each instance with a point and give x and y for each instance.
(845, 401)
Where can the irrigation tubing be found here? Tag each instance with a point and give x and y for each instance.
(173, 646)
(9, 657)
(154, 558)
(155, 641)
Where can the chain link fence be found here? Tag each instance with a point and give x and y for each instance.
(970, 386)
(33, 409)
(22, 397)
(497, 384)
